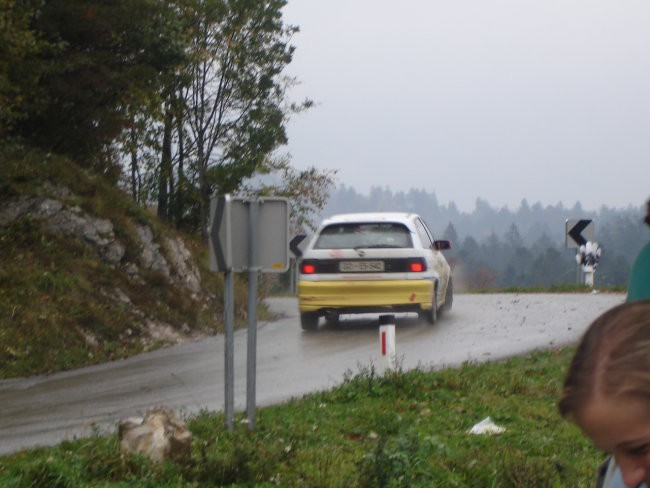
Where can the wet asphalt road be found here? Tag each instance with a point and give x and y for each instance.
(189, 377)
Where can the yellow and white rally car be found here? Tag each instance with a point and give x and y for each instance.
(372, 263)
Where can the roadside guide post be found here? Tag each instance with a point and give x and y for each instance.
(387, 341)
(246, 234)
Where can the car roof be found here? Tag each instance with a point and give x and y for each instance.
(402, 217)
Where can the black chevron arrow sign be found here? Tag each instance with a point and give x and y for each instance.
(294, 245)
(578, 232)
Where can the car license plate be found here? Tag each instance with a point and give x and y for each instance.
(361, 266)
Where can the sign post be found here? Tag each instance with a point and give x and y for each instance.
(220, 247)
(229, 348)
(246, 234)
(251, 356)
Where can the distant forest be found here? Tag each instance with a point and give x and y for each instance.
(500, 247)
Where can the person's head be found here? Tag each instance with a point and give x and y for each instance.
(607, 388)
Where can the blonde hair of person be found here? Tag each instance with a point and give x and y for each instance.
(612, 359)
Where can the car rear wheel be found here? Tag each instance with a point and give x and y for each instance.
(309, 320)
(449, 296)
(431, 316)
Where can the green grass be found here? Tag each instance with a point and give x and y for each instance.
(398, 430)
(563, 288)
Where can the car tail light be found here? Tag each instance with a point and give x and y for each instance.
(417, 266)
(308, 268)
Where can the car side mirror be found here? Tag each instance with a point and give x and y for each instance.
(441, 245)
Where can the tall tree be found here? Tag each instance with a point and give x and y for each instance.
(20, 44)
(513, 237)
(236, 103)
(551, 267)
(95, 61)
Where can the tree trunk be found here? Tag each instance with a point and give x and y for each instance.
(180, 177)
(134, 167)
(165, 177)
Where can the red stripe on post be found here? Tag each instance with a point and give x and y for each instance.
(383, 343)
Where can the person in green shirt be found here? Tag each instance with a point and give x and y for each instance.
(639, 284)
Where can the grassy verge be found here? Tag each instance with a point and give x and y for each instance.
(563, 288)
(402, 429)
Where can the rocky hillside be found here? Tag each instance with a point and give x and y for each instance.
(88, 276)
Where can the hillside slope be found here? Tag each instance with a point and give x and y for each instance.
(87, 276)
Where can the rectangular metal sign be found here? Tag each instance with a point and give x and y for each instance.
(273, 235)
(229, 231)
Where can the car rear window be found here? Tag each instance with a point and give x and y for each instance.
(364, 235)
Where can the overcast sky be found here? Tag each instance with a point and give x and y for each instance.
(547, 100)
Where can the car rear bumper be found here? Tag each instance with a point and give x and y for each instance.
(364, 296)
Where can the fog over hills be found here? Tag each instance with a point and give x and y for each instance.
(484, 236)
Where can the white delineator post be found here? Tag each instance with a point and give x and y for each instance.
(589, 275)
(387, 341)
